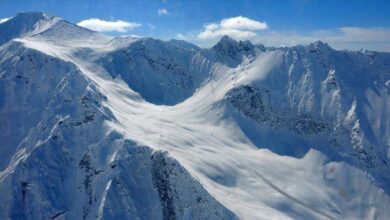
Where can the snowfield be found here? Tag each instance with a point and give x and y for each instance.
(96, 127)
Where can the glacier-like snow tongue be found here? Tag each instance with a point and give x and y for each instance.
(96, 127)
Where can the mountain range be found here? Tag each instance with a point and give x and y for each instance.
(101, 127)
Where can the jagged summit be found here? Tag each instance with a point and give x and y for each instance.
(231, 52)
(227, 39)
(226, 42)
(319, 45)
(246, 45)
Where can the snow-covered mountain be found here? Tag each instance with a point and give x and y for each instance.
(26, 24)
(96, 127)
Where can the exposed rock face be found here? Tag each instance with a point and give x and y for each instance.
(181, 195)
(257, 104)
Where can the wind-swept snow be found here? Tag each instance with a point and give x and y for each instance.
(254, 183)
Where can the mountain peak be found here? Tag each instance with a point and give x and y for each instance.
(45, 27)
(232, 52)
(25, 24)
(226, 39)
(319, 45)
(246, 45)
(226, 43)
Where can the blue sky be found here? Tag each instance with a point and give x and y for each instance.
(349, 24)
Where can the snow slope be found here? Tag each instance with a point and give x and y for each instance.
(138, 127)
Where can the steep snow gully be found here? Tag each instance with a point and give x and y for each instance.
(138, 128)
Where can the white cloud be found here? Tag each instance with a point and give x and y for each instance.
(131, 35)
(211, 27)
(162, 11)
(243, 23)
(97, 24)
(2, 20)
(237, 27)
